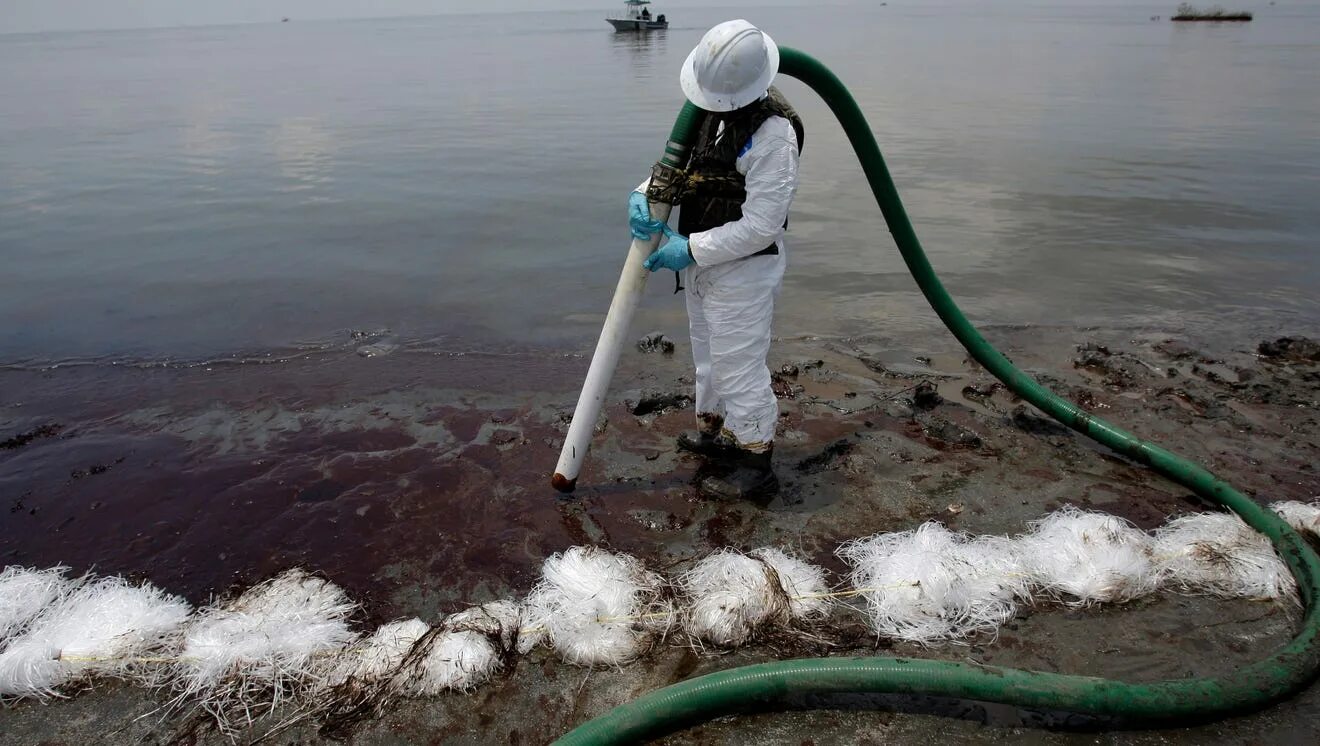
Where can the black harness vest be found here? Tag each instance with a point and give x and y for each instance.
(717, 191)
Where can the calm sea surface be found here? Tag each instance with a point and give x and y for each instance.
(185, 193)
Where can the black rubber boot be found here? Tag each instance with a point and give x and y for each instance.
(750, 477)
(705, 444)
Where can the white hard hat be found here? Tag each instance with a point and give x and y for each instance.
(731, 67)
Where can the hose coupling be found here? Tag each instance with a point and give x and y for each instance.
(669, 182)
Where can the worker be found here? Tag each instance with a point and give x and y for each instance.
(729, 249)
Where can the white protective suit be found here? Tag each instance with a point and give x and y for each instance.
(731, 294)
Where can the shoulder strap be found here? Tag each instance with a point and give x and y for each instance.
(779, 106)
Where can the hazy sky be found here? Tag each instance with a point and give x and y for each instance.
(18, 16)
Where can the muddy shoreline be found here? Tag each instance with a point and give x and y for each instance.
(418, 480)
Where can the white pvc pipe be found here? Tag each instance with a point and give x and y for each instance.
(606, 357)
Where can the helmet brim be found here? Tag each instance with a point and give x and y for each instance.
(687, 80)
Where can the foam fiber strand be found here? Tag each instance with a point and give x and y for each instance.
(932, 584)
(1086, 557)
(102, 628)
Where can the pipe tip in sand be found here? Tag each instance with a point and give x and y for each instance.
(563, 483)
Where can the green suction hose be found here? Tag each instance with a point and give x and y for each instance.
(1181, 702)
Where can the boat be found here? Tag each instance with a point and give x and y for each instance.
(1188, 12)
(637, 17)
(1214, 17)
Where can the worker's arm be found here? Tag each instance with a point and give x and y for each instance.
(771, 176)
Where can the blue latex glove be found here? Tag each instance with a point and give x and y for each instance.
(673, 255)
(639, 217)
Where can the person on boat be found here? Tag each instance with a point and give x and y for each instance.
(646, 14)
(729, 249)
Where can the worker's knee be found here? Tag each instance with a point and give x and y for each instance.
(739, 375)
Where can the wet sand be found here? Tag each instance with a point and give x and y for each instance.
(418, 480)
